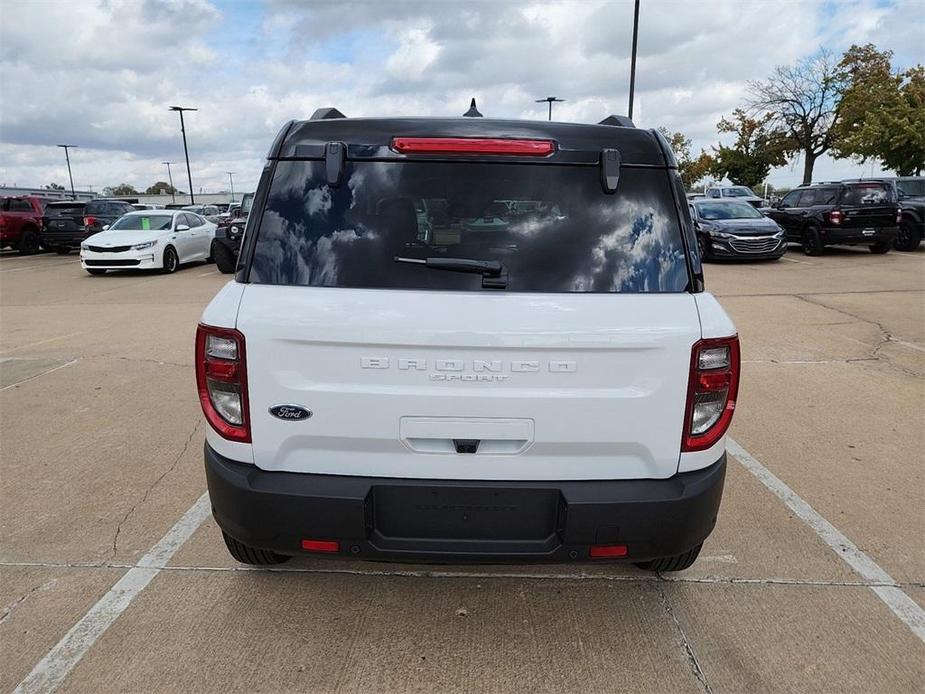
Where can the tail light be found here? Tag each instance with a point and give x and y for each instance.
(221, 376)
(899, 215)
(836, 217)
(711, 392)
(471, 145)
(89, 221)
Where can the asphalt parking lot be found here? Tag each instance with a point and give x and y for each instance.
(101, 481)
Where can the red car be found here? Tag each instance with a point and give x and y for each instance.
(21, 223)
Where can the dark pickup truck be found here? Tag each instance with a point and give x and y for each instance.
(854, 213)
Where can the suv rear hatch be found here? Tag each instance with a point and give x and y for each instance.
(571, 363)
(867, 205)
(64, 217)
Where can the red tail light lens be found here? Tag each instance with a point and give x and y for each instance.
(835, 217)
(89, 221)
(711, 392)
(221, 377)
(467, 145)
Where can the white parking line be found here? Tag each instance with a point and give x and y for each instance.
(41, 373)
(792, 260)
(904, 607)
(50, 671)
(206, 274)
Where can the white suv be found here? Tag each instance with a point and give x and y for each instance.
(465, 340)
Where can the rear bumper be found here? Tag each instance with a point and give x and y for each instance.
(857, 235)
(463, 521)
(68, 239)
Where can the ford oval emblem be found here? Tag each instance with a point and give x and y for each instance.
(290, 412)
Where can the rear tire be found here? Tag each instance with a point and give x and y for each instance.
(909, 237)
(29, 242)
(96, 271)
(678, 562)
(812, 242)
(62, 250)
(880, 247)
(224, 259)
(251, 555)
(171, 261)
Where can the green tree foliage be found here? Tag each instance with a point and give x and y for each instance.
(758, 147)
(803, 101)
(882, 111)
(121, 189)
(691, 169)
(54, 186)
(160, 188)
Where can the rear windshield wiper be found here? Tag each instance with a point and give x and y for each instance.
(494, 275)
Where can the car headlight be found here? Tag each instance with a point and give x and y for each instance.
(85, 247)
(142, 246)
(719, 234)
(235, 230)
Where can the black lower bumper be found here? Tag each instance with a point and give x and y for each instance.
(463, 521)
(858, 235)
(70, 239)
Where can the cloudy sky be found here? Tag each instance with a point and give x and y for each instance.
(101, 73)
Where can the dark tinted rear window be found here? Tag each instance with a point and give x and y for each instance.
(872, 193)
(552, 227)
(65, 208)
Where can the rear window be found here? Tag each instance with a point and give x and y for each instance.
(874, 193)
(65, 208)
(552, 227)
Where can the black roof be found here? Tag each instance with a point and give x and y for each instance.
(370, 138)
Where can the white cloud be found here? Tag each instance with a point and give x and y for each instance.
(101, 73)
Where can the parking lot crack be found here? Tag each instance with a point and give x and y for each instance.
(150, 488)
(689, 653)
(11, 607)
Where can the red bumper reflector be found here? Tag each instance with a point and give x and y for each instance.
(471, 145)
(608, 551)
(329, 546)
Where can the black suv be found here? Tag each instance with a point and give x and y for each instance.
(68, 223)
(912, 200)
(854, 213)
(228, 233)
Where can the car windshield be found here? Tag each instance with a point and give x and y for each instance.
(912, 189)
(143, 222)
(738, 192)
(551, 227)
(727, 210)
(873, 193)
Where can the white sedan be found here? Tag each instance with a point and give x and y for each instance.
(148, 239)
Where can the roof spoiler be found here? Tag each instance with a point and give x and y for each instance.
(326, 113)
(622, 121)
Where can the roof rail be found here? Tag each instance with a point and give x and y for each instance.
(622, 121)
(327, 112)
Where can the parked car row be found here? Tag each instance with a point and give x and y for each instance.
(878, 213)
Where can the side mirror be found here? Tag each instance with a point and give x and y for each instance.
(182, 227)
(105, 227)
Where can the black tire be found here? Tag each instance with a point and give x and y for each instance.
(29, 242)
(251, 555)
(880, 247)
(812, 242)
(62, 250)
(95, 271)
(171, 261)
(909, 236)
(678, 562)
(224, 258)
(703, 247)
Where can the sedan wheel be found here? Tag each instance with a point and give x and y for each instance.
(171, 261)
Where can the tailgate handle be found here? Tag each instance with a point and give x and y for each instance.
(466, 445)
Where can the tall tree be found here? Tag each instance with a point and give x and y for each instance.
(159, 188)
(54, 186)
(804, 102)
(882, 112)
(758, 147)
(121, 189)
(691, 168)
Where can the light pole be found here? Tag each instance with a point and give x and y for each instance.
(68, 158)
(173, 198)
(189, 176)
(633, 58)
(231, 180)
(550, 100)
